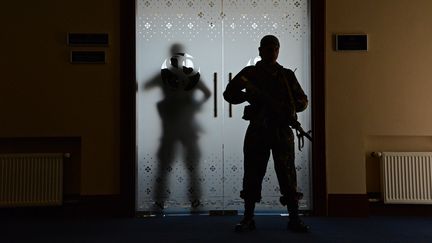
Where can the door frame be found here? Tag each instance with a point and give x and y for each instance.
(127, 119)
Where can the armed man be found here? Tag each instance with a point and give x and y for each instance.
(274, 96)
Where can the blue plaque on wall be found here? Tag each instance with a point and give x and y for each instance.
(83, 39)
(351, 42)
(87, 57)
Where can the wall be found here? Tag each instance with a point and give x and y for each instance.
(43, 95)
(376, 100)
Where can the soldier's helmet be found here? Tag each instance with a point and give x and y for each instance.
(178, 72)
(269, 40)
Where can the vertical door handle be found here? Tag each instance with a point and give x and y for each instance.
(230, 105)
(215, 93)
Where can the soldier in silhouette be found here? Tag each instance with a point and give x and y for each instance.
(275, 97)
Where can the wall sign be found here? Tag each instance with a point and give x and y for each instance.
(88, 57)
(351, 42)
(84, 39)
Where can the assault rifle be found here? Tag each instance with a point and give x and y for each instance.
(278, 108)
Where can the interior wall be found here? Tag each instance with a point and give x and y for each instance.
(43, 95)
(376, 100)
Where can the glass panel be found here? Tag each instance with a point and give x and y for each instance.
(183, 162)
(179, 139)
(245, 23)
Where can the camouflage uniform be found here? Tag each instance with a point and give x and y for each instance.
(274, 100)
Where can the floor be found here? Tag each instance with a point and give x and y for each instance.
(213, 229)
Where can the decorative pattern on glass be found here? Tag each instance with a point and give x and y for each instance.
(222, 36)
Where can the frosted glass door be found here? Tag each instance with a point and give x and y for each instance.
(179, 132)
(189, 148)
(245, 23)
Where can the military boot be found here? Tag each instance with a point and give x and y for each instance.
(298, 226)
(295, 224)
(245, 225)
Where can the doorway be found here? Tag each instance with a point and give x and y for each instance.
(188, 139)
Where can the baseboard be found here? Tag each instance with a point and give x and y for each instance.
(94, 205)
(348, 205)
(223, 212)
(381, 209)
(74, 206)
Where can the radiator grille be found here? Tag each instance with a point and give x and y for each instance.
(407, 177)
(31, 179)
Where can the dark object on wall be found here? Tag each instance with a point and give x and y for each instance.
(86, 39)
(351, 42)
(87, 57)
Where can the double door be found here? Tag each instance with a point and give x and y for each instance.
(189, 140)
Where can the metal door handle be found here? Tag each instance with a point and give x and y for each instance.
(230, 105)
(215, 93)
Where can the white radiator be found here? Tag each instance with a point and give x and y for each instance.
(31, 179)
(406, 177)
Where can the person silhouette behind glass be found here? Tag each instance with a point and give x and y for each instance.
(275, 97)
(179, 82)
